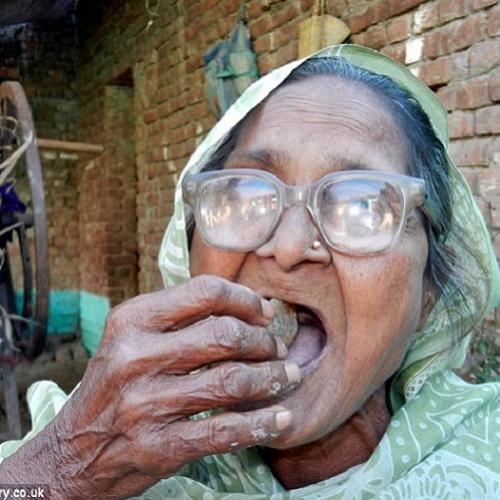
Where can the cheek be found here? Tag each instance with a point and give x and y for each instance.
(205, 259)
(383, 303)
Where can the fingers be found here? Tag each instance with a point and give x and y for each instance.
(199, 298)
(232, 383)
(208, 341)
(226, 385)
(227, 432)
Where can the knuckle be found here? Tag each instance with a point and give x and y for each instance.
(235, 381)
(220, 433)
(230, 334)
(113, 319)
(118, 319)
(210, 289)
(254, 302)
(123, 354)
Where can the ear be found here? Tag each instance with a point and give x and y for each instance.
(429, 299)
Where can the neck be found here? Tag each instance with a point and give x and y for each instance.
(350, 444)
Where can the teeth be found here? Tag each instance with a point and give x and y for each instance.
(284, 323)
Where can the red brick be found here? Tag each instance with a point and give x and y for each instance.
(360, 21)
(451, 9)
(470, 94)
(489, 182)
(306, 5)
(397, 52)
(286, 33)
(462, 33)
(494, 22)
(435, 72)
(396, 7)
(492, 215)
(484, 56)
(470, 152)
(263, 44)
(426, 16)
(447, 94)
(399, 29)
(494, 85)
(285, 14)
(261, 26)
(381, 11)
(461, 124)
(286, 54)
(432, 44)
(375, 37)
(254, 10)
(470, 175)
(206, 5)
(265, 64)
(488, 120)
(336, 8)
(481, 4)
(460, 65)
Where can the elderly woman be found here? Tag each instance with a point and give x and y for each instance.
(326, 186)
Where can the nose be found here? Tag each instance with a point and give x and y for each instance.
(292, 241)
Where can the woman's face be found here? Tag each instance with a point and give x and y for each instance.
(369, 307)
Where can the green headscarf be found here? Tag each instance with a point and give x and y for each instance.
(438, 345)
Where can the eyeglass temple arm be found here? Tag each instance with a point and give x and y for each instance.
(189, 189)
(427, 206)
(431, 213)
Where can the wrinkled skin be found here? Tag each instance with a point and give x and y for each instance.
(127, 425)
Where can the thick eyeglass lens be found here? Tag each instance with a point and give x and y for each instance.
(237, 211)
(362, 215)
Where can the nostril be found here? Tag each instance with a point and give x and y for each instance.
(291, 243)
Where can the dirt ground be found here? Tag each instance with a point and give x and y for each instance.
(64, 362)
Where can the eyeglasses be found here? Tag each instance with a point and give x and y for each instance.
(356, 212)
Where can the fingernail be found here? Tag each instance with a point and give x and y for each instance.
(281, 348)
(267, 309)
(292, 372)
(283, 419)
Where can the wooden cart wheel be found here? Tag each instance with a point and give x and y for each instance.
(30, 335)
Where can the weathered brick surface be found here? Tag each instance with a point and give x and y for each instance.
(43, 60)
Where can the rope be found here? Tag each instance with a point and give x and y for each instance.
(8, 165)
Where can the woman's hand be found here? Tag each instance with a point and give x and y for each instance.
(127, 425)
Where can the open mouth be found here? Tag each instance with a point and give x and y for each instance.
(310, 340)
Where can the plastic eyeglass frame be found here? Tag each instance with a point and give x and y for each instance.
(411, 189)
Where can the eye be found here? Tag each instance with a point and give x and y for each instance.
(366, 217)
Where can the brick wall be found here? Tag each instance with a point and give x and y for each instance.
(451, 44)
(43, 59)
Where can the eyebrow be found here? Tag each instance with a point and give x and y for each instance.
(273, 159)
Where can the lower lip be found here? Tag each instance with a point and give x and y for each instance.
(310, 366)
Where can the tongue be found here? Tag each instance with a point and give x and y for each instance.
(307, 345)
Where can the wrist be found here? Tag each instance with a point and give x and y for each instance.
(35, 465)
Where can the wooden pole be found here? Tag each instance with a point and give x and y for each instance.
(70, 147)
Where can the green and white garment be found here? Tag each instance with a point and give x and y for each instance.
(443, 441)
